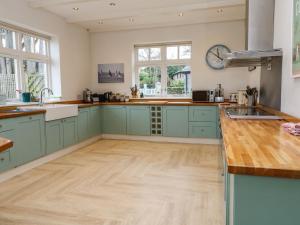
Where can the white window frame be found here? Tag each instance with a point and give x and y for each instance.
(19, 55)
(163, 64)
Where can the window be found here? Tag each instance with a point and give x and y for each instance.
(24, 62)
(164, 70)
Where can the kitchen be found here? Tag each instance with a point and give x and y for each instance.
(138, 112)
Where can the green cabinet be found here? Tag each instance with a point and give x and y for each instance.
(138, 120)
(60, 134)
(54, 136)
(175, 121)
(94, 121)
(5, 157)
(83, 124)
(202, 113)
(202, 130)
(70, 131)
(30, 139)
(114, 120)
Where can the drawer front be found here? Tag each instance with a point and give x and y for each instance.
(202, 114)
(4, 161)
(29, 118)
(202, 130)
(7, 124)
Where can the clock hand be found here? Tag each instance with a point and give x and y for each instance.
(218, 52)
(216, 55)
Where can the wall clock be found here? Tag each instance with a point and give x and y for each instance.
(214, 56)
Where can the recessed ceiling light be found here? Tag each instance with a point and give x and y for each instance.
(112, 4)
(100, 22)
(220, 10)
(75, 9)
(180, 14)
(131, 19)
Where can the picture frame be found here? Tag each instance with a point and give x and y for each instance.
(111, 73)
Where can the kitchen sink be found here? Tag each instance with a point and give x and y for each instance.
(54, 111)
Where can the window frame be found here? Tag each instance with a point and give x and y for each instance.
(19, 55)
(163, 64)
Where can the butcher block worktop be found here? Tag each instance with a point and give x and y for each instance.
(5, 144)
(260, 148)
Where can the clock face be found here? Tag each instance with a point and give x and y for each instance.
(214, 56)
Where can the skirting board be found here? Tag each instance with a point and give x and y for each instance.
(22, 169)
(163, 139)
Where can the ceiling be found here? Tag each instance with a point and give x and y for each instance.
(115, 15)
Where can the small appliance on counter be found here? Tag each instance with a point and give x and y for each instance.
(203, 96)
(95, 97)
(219, 94)
(242, 100)
(101, 98)
(107, 96)
(233, 97)
(87, 96)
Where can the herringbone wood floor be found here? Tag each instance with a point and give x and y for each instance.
(119, 183)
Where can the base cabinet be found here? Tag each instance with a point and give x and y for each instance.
(175, 121)
(30, 139)
(6, 161)
(114, 120)
(60, 134)
(95, 121)
(83, 124)
(138, 120)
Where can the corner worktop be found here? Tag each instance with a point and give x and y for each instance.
(260, 148)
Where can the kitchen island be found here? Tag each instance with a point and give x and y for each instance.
(262, 171)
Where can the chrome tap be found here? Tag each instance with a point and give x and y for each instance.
(42, 94)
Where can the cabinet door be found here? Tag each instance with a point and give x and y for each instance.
(94, 122)
(114, 119)
(175, 121)
(30, 139)
(70, 131)
(6, 161)
(83, 124)
(202, 130)
(203, 114)
(54, 136)
(138, 120)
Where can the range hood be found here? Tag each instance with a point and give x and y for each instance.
(251, 58)
(259, 37)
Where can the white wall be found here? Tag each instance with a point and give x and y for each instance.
(70, 47)
(117, 47)
(283, 39)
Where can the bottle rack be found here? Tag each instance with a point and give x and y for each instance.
(156, 121)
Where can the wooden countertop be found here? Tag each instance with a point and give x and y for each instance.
(5, 144)
(260, 148)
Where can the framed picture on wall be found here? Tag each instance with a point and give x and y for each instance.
(296, 39)
(111, 73)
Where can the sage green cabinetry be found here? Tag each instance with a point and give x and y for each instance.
(203, 122)
(175, 121)
(114, 120)
(95, 121)
(138, 120)
(54, 136)
(5, 160)
(83, 124)
(5, 157)
(70, 131)
(30, 139)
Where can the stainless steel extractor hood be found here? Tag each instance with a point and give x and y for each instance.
(259, 37)
(251, 58)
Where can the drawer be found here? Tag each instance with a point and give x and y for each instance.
(4, 160)
(202, 130)
(202, 114)
(30, 117)
(7, 124)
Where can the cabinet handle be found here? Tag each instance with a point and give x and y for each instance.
(202, 130)
(0, 126)
(2, 159)
(30, 118)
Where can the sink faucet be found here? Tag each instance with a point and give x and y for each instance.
(42, 94)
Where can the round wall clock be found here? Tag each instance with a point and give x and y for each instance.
(214, 56)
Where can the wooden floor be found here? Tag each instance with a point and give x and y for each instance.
(119, 183)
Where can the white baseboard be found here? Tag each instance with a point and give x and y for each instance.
(162, 139)
(22, 169)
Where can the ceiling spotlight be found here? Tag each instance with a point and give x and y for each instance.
(131, 19)
(180, 14)
(100, 22)
(220, 10)
(75, 9)
(112, 4)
